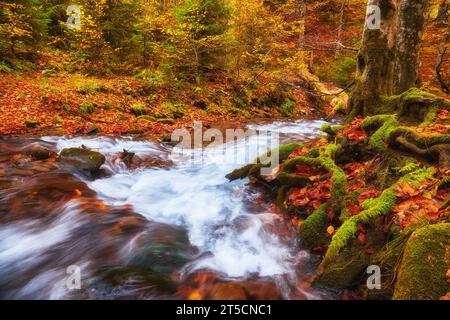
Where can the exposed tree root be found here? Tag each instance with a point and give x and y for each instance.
(326, 161)
(374, 208)
(388, 135)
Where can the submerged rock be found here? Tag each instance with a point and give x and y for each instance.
(426, 261)
(163, 249)
(82, 159)
(38, 153)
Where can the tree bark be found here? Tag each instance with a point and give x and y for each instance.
(409, 38)
(388, 61)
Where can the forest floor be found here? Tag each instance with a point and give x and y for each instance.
(73, 103)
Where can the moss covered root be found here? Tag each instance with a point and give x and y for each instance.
(383, 126)
(283, 152)
(313, 229)
(326, 161)
(374, 208)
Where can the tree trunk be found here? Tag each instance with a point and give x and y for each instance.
(388, 61)
(409, 37)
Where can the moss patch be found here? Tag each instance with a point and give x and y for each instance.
(426, 260)
(313, 229)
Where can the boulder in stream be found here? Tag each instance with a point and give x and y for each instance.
(82, 159)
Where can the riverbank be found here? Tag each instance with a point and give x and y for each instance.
(372, 201)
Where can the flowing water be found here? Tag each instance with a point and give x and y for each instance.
(161, 232)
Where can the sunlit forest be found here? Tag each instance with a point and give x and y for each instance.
(225, 150)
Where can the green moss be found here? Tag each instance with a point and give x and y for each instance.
(422, 141)
(384, 126)
(31, 123)
(57, 120)
(414, 102)
(382, 205)
(430, 115)
(285, 150)
(346, 272)
(176, 111)
(422, 273)
(87, 108)
(331, 131)
(138, 110)
(82, 159)
(288, 107)
(374, 208)
(240, 173)
(313, 229)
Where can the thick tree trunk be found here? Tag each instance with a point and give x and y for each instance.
(388, 59)
(409, 36)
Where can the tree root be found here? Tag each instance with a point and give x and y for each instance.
(388, 135)
(374, 208)
(326, 161)
(313, 229)
(384, 125)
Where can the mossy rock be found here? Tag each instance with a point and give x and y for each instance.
(82, 159)
(426, 261)
(38, 153)
(162, 250)
(347, 271)
(138, 110)
(349, 268)
(88, 108)
(166, 121)
(32, 124)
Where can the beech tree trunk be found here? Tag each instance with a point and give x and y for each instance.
(388, 61)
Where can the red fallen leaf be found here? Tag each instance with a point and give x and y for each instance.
(369, 251)
(405, 190)
(368, 194)
(304, 169)
(443, 114)
(353, 209)
(315, 204)
(362, 229)
(356, 135)
(356, 185)
(352, 166)
(362, 239)
(298, 152)
(301, 202)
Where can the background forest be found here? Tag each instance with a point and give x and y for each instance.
(155, 59)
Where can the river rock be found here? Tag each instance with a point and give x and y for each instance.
(162, 249)
(82, 159)
(38, 153)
